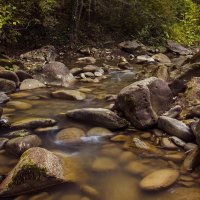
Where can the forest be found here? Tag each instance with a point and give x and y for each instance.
(152, 21)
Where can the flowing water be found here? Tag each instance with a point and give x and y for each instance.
(116, 183)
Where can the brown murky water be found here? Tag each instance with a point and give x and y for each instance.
(113, 183)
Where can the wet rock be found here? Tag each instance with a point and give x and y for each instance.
(177, 48)
(179, 83)
(3, 141)
(103, 164)
(37, 169)
(70, 135)
(142, 102)
(90, 68)
(145, 59)
(191, 161)
(146, 135)
(76, 71)
(33, 123)
(86, 60)
(99, 131)
(20, 95)
(145, 147)
(137, 168)
(22, 75)
(176, 157)
(30, 84)
(3, 98)
(159, 180)
(162, 58)
(176, 128)
(119, 138)
(88, 75)
(47, 130)
(190, 146)
(173, 112)
(55, 73)
(90, 191)
(168, 144)
(69, 95)
(19, 105)
(7, 86)
(177, 141)
(131, 47)
(11, 76)
(19, 133)
(19, 145)
(197, 132)
(99, 117)
(127, 156)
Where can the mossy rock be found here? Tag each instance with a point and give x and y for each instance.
(37, 169)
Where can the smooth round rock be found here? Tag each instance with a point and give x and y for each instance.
(19, 105)
(29, 84)
(99, 131)
(69, 95)
(104, 164)
(159, 180)
(168, 144)
(72, 134)
(119, 138)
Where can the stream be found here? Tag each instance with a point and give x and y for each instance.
(116, 181)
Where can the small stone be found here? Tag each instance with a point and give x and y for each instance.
(69, 95)
(177, 141)
(22, 75)
(177, 157)
(190, 146)
(186, 178)
(173, 112)
(20, 95)
(119, 138)
(70, 135)
(168, 144)
(19, 105)
(176, 128)
(127, 156)
(90, 191)
(99, 131)
(103, 164)
(186, 183)
(137, 168)
(145, 135)
(159, 180)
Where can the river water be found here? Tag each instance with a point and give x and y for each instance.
(117, 183)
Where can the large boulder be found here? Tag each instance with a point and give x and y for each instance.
(177, 48)
(54, 73)
(98, 117)
(183, 77)
(45, 53)
(176, 128)
(37, 169)
(7, 86)
(194, 59)
(143, 101)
